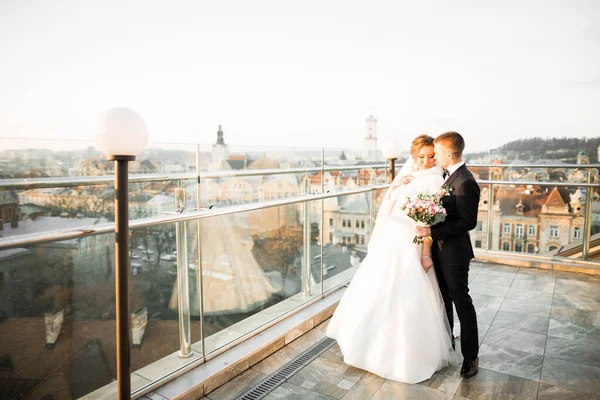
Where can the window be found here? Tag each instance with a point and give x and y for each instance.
(331, 222)
(554, 231)
(530, 248)
(479, 227)
(478, 244)
(531, 230)
(349, 223)
(519, 230)
(330, 237)
(362, 224)
(506, 228)
(362, 239)
(577, 233)
(344, 223)
(519, 247)
(357, 223)
(506, 246)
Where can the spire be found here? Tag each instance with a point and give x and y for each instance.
(220, 140)
(555, 199)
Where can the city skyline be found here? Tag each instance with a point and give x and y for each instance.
(303, 75)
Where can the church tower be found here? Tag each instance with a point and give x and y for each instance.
(220, 153)
(371, 139)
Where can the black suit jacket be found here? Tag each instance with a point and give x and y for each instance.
(452, 235)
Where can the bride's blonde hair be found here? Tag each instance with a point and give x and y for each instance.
(420, 141)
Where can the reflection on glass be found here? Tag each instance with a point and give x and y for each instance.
(533, 219)
(57, 310)
(252, 269)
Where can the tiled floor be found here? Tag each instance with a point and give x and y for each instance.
(539, 335)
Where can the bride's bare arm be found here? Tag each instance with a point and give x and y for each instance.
(426, 260)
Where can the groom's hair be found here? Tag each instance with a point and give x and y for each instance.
(453, 141)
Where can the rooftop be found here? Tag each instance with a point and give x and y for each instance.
(539, 339)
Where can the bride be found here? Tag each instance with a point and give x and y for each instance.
(391, 319)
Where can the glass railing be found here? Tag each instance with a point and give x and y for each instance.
(297, 232)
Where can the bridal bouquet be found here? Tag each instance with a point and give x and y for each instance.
(426, 209)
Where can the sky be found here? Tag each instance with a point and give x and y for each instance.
(303, 73)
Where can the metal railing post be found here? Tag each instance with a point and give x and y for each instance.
(306, 240)
(183, 288)
(373, 199)
(322, 232)
(490, 216)
(199, 280)
(587, 222)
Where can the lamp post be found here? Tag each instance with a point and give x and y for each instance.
(122, 135)
(391, 150)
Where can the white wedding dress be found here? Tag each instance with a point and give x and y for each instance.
(391, 319)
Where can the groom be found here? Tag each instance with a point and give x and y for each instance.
(452, 250)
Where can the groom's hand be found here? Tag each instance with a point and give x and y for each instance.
(423, 231)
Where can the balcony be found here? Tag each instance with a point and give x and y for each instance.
(260, 281)
(538, 334)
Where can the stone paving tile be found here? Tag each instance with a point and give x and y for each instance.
(396, 390)
(327, 377)
(526, 307)
(288, 391)
(495, 385)
(574, 376)
(509, 361)
(574, 351)
(447, 380)
(365, 388)
(516, 340)
(526, 323)
(549, 392)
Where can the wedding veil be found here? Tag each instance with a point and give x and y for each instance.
(383, 216)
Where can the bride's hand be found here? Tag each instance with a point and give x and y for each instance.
(427, 263)
(404, 180)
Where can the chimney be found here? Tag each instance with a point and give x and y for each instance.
(54, 322)
(139, 320)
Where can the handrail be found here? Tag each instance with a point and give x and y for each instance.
(74, 181)
(536, 183)
(576, 166)
(45, 237)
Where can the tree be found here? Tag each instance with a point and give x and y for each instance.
(280, 251)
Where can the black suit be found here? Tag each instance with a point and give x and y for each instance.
(452, 252)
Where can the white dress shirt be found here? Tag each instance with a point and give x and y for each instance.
(451, 169)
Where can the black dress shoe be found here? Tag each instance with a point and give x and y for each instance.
(469, 368)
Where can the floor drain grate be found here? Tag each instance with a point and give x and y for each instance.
(271, 382)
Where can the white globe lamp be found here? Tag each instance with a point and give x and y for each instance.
(122, 132)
